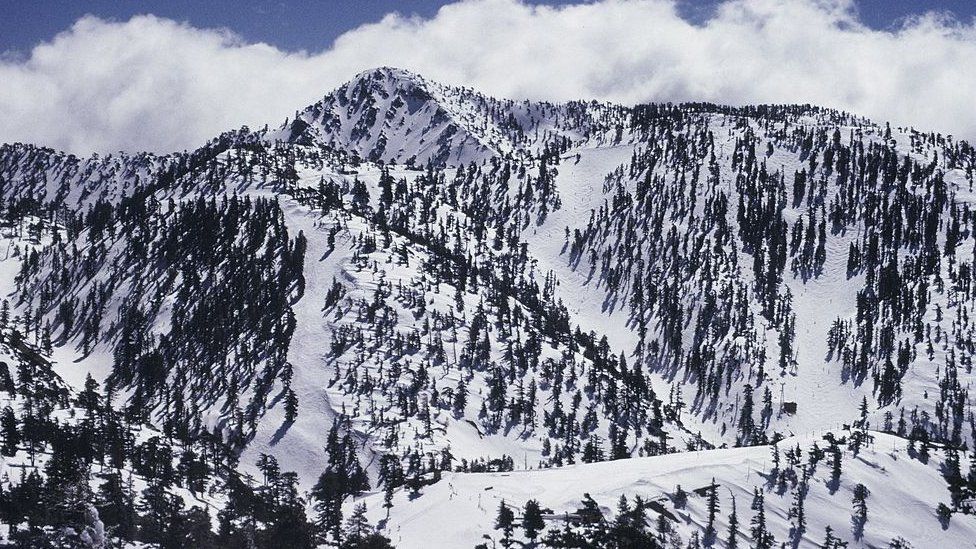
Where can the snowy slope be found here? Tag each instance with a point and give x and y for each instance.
(464, 506)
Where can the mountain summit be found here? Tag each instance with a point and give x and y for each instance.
(394, 116)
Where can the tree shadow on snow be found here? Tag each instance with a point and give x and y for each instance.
(280, 433)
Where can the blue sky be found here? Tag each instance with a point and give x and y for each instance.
(312, 25)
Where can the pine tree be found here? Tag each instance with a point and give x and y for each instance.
(46, 346)
(944, 512)
(863, 423)
(797, 510)
(291, 406)
(357, 525)
(460, 399)
(680, 497)
(746, 424)
(532, 522)
(761, 537)
(89, 398)
(11, 435)
(732, 542)
(713, 507)
(831, 541)
(835, 466)
(116, 506)
(860, 514)
(388, 498)
(505, 521)
(953, 475)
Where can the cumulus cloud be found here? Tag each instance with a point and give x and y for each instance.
(156, 84)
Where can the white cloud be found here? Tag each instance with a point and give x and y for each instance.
(156, 84)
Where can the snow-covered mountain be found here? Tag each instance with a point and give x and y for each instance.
(390, 115)
(426, 300)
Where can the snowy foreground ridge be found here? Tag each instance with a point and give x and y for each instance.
(415, 315)
(458, 510)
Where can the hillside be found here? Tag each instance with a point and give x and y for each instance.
(676, 490)
(409, 286)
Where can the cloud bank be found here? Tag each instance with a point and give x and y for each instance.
(160, 85)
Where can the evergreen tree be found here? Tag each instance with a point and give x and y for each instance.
(505, 521)
(10, 432)
(713, 507)
(732, 542)
(532, 522)
(860, 514)
(762, 538)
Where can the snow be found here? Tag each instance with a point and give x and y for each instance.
(463, 506)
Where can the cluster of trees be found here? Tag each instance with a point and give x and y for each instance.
(192, 297)
(917, 293)
(667, 245)
(224, 272)
(79, 470)
(695, 233)
(444, 319)
(93, 474)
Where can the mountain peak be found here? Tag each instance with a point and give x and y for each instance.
(388, 74)
(393, 115)
(389, 114)
(384, 81)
